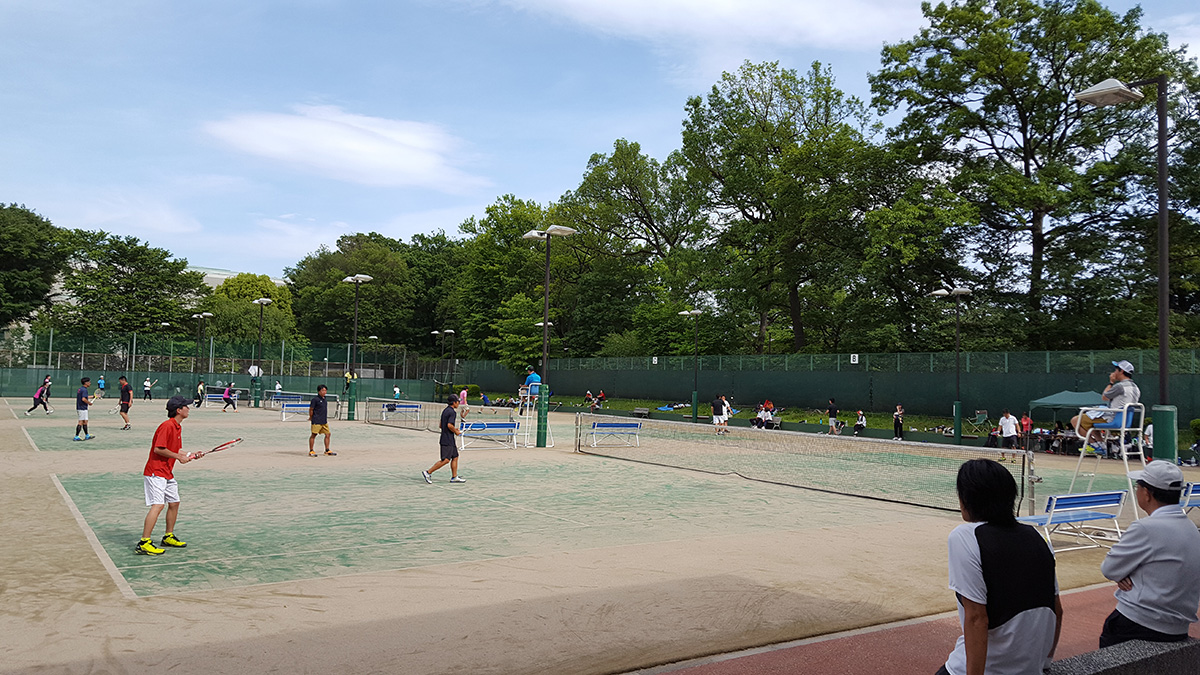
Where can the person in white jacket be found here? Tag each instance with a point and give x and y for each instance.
(1156, 564)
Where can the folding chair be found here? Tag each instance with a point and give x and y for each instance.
(980, 426)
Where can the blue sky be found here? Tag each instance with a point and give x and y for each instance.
(245, 134)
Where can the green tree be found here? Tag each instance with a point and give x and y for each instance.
(513, 336)
(737, 142)
(235, 316)
(119, 284)
(32, 256)
(324, 303)
(986, 89)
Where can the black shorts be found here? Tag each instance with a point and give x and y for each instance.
(449, 451)
(1010, 442)
(124, 407)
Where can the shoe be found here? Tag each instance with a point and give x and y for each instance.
(330, 453)
(147, 547)
(458, 479)
(27, 413)
(88, 437)
(126, 428)
(427, 477)
(312, 453)
(169, 539)
(78, 438)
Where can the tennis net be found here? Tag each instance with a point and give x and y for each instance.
(425, 415)
(922, 474)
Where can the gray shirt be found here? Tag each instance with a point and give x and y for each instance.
(1161, 555)
(1121, 394)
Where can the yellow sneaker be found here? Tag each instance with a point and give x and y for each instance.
(169, 539)
(147, 547)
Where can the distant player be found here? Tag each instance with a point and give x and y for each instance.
(82, 403)
(720, 414)
(278, 388)
(447, 443)
(39, 398)
(318, 419)
(146, 395)
(100, 386)
(396, 392)
(227, 397)
(200, 394)
(126, 400)
(1008, 432)
(160, 486)
(898, 423)
(833, 420)
(463, 408)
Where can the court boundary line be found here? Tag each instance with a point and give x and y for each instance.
(519, 508)
(30, 439)
(816, 639)
(10, 409)
(117, 577)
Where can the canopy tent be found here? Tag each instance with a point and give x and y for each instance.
(1068, 400)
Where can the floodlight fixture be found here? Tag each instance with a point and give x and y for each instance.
(1109, 92)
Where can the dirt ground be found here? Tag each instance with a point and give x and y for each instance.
(606, 594)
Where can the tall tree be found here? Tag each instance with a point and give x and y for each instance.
(235, 316)
(32, 256)
(324, 304)
(116, 283)
(987, 88)
(736, 141)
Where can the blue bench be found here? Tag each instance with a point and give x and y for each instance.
(1068, 515)
(626, 433)
(291, 409)
(501, 433)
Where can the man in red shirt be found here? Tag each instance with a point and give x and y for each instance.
(161, 488)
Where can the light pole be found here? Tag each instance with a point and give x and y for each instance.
(200, 317)
(1114, 92)
(257, 379)
(452, 367)
(695, 314)
(358, 280)
(543, 398)
(958, 294)
(164, 325)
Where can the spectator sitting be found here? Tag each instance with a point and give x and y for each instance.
(601, 397)
(860, 423)
(763, 418)
(587, 398)
(1002, 573)
(1156, 564)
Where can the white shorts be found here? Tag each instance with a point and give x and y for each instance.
(82, 415)
(720, 419)
(160, 490)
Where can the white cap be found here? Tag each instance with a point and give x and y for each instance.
(1160, 474)
(1125, 366)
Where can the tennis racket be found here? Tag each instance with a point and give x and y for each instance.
(224, 446)
(115, 409)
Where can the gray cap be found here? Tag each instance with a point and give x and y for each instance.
(1160, 474)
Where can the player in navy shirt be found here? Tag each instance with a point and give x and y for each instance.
(82, 402)
(447, 443)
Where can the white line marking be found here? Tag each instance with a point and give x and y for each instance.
(122, 585)
(30, 439)
(521, 508)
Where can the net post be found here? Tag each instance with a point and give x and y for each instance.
(958, 422)
(543, 413)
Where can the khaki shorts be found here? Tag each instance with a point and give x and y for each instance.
(320, 429)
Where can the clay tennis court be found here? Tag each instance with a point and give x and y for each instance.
(545, 561)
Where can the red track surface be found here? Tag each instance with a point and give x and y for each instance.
(919, 648)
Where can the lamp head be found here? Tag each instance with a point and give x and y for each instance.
(262, 301)
(939, 293)
(1109, 92)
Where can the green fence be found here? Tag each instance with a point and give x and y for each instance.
(924, 383)
(140, 352)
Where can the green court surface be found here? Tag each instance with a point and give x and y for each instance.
(265, 527)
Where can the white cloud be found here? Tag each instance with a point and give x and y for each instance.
(846, 25)
(353, 148)
(130, 213)
(1182, 29)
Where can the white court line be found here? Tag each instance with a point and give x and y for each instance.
(10, 409)
(522, 508)
(122, 585)
(30, 439)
